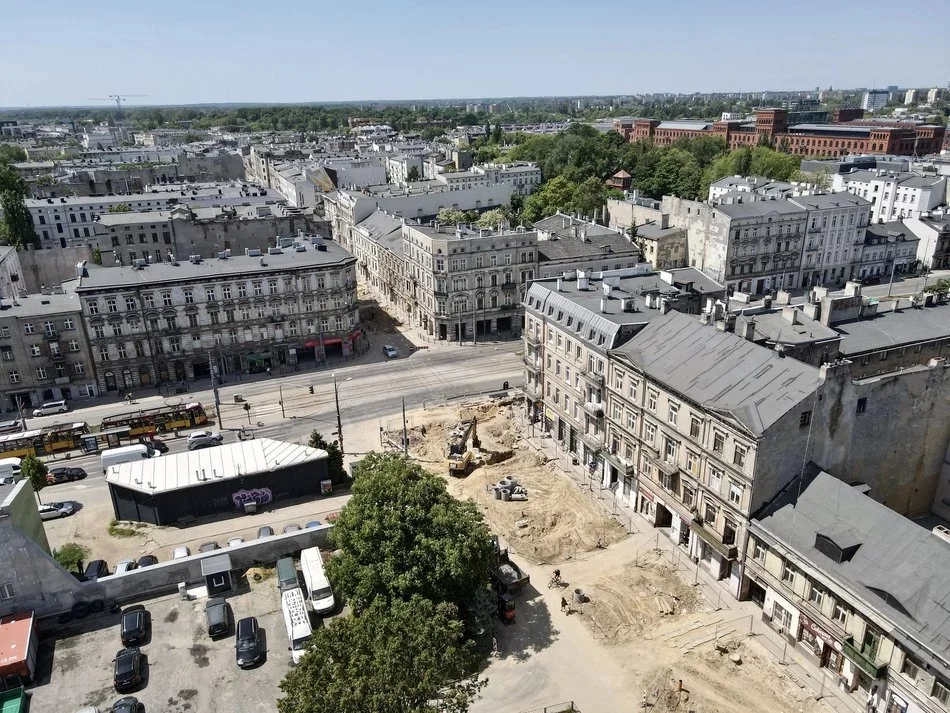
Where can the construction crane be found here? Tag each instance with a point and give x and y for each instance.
(117, 98)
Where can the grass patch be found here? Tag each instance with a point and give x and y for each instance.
(124, 529)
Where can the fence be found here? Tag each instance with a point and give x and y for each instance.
(565, 707)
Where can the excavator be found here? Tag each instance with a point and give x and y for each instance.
(460, 456)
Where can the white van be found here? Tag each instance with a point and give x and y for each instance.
(10, 468)
(318, 586)
(297, 622)
(124, 454)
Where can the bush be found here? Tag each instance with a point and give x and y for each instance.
(71, 556)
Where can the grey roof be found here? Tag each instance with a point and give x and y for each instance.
(890, 229)
(891, 329)
(687, 125)
(823, 201)
(900, 569)
(157, 274)
(773, 326)
(41, 305)
(569, 248)
(832, 129)
(384, 228)
(748, 181)
(754, 208)
(721, 371)
(700, 281)
(652, 231)
(192, 469)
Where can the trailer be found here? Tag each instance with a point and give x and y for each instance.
(507, 576)
(18, 649)
(12, 701)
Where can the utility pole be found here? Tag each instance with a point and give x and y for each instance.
(891, 283)
(280, 390)
(405, 432)
(339, 421)
(214, 388)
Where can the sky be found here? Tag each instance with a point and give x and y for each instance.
(64, 52)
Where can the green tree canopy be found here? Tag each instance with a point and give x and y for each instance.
(491, 218)
(335, 457)
(402, 534)
(404, 657)
(413, 174)
(71, 556)
(34, 470)
(557, 194)
(448, 216)
(119, 208)
(11, 154)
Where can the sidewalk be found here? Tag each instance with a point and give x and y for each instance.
(819, 682)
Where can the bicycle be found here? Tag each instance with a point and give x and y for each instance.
(555, 581)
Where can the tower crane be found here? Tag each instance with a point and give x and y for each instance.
(119, 99)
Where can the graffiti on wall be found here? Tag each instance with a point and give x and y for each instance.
(259, 496)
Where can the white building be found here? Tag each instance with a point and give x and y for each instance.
(912, 96)
(935, 95)
(875, 99)
(98, 140)
(894, 195)
(834, 236)
(400, 168)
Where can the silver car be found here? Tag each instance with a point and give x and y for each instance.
(52, 511)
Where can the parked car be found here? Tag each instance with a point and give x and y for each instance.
(125, 566)
(51, 407)
(312, 523)
(203, 439)
(390, 352)
(7, 480)
(147, 561)
(209, 547)
(133, 627)
(96, 569)
(51, 511)
(129, 704)
(181, 551)
(235, 541)
(128, 669)
(64, 474)
(247, 646)
(154, 444)
(265, 531)
(870, 280)
(291, 528)
(218, 616)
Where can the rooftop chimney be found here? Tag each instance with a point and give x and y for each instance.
(603, 305)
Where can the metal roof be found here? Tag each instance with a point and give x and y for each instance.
(195, 468)
(215, 564)
(886, 330)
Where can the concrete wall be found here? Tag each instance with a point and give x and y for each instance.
(22, 510)
(707, 231)
(51, 267)
(898, 443)
(208, 238)
(779, 455)
(49, 589)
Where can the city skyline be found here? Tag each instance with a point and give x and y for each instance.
(208, 53)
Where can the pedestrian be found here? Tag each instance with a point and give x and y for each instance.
(565, 606)
(873, 700)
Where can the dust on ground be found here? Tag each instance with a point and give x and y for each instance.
(555, 523)
(729, 678)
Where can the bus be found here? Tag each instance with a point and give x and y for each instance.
(151, 421)
(44, 441)
(318, 586)
(297, 621)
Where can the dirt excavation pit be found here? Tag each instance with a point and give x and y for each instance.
(623, 604)
(556, 522)
(710, 681)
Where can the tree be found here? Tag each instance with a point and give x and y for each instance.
(412, 174)
(97, 255)
(448, 216)
(402, 534)
(34, 470)
(555, 195)
(119, 208)
(19, 223)
(676, 173)
(407, 657)
(11, 154)
(590, 198)
(334, 457)
(491, 219)
(819, 179)
(496, 135)
(71, 556)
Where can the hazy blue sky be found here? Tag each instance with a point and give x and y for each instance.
(57, 52)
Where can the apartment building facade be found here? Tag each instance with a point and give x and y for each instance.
(888, 249)
(151, 324)
(834, 236)
(894, 195)
(44, 351)
(467, 281)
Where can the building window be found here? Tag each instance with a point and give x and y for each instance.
(103, 354)
(123, 354)
(167, 299)
(739, 456)
(242, 290)
(226, 292)
(804, 420)
(111, 305)
(671, 446)
(6, 591)
(149, 300)
(862, 405)
(710, 513)
(729, 529)
(189, 297)
(840, 613)
(14, 376)
(649, 432)
(719, 443)
(631, 420)
(694, 427)
(759, 551)
(788, 575)
(674, 412)
(258, 289)
(668, 481)
(689, 495)
(735, 493)
(715, 480)
(941, 692)
(99, 332)
(692, 462)
(28, 328)
(651, 400)
(816, 595)
(35, 350)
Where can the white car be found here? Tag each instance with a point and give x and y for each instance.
(181, 551)
(52, 511)
(51, 407)
(235, 541)
(125, 566)
(203, 439)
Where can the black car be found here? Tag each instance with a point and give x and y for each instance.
(128, 669)
(129, 704)
(147, 560)
(247, 647)
(64, 475)
(133, 628)
(96, 569)
(153, 444)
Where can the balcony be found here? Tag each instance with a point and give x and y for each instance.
(51, 335)
(594, 441)
(532, 340)
(533, 391)
(618, 462)
(57, 356)
(533, 365)
(593, 378)
(869, 664)
(594, 408)
(61, 380)
(712, 538)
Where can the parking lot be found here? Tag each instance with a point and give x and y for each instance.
(186, 671)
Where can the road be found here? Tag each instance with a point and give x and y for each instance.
(371, 392)
(902, 287)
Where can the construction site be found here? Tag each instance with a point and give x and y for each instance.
(682, 649)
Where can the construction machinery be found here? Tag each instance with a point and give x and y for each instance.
(460, 456)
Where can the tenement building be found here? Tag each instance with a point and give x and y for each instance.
(173, 321)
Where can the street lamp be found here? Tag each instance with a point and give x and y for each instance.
(336, 399)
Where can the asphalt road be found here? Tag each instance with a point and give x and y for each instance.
(902, 287)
